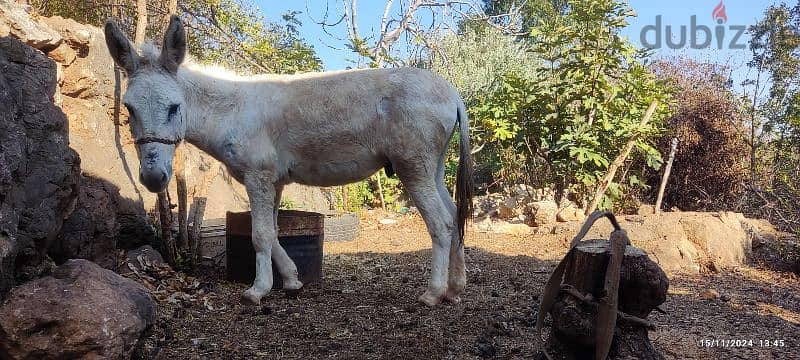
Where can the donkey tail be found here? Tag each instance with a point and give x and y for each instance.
(464, 179)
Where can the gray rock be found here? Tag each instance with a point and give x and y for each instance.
(38, 171)
(81, 311)
(145, 257)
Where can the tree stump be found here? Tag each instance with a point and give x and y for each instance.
(642, 288)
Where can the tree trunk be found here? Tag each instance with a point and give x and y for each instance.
(345, 202)
(380, 191)
(642, 288)
(141, 22)
(612, 169)
(172, 9)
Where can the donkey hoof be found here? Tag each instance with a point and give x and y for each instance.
(430, 298)
(293, 293)
(453, 293)
(250, 297)
(453, 299)
(292, 285)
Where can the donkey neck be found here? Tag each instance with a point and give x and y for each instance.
(217, 107)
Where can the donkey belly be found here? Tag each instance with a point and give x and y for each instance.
(330, 172)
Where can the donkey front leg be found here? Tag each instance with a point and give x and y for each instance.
(283, 262)
(261, 192)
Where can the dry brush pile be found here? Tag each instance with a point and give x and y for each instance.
(707, 120)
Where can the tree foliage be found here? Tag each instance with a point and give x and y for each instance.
(528, 13)
(775, 163)
(232, 33)
(563, 124)
(235, 27)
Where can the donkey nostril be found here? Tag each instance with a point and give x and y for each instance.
(163, 177)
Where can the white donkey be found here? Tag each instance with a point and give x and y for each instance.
(320, 129)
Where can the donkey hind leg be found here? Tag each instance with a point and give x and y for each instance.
(262, 198)
(441, 226)
(283, 262)
(457, 273)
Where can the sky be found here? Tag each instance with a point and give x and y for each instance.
(676, 14)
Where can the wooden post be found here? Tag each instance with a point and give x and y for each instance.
(602, 186)
(141, 22)
(344, 199)
(198, 210)
(165, 217)
(664, 179)
(380, 191)
(180, 181)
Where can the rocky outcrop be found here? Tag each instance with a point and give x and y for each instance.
(16, 22)
(38, 171)
(520, 204)
(686, 241)
(81, 311)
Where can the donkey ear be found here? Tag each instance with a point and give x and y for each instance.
(174, 49)
(120, 47)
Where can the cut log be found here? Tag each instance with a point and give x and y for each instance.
(642, 288)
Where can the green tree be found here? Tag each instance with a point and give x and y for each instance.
(475, 63)
(775, 117)
(222, 28)
(585, 103)
(775, 44)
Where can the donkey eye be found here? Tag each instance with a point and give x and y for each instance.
(173, 110)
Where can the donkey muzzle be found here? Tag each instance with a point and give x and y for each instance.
(155, 181)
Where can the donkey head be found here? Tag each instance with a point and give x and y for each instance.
(154, 100)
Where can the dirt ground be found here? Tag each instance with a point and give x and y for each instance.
(365, 307)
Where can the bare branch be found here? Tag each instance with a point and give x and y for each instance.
(406, 24)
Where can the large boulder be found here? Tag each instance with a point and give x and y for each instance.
(38, 171)
(81, 311)
(16, 22)
(544, 212)
(90, 232)
(686, 242)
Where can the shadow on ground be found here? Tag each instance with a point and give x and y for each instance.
(365, 308)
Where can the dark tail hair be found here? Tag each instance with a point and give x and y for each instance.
(464, 181)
